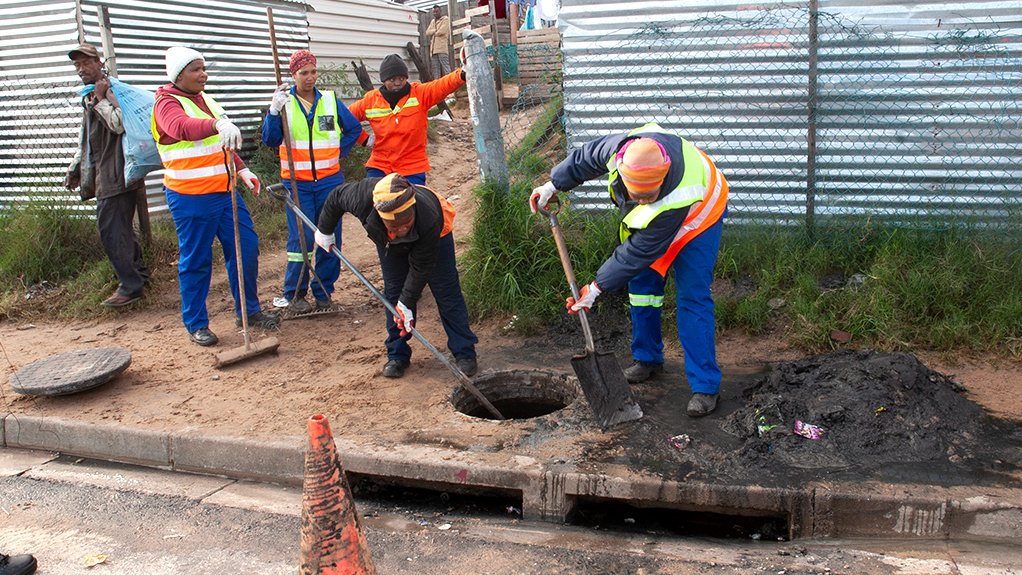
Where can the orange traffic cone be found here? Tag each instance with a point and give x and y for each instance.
(332, 540)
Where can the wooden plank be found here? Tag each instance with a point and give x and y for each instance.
(486, 42)
(477, 11)
(540, 33)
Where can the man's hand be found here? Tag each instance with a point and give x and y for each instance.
(101, 87)
(280, 99)
(230, 135)
(371, 140)
(405, 319)
(585, 299)
(72, 180)
(250, 180)
(541, 196)
(325, 241)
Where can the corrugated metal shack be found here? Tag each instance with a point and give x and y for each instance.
(40, 114)
(893, 110)
(343, 31)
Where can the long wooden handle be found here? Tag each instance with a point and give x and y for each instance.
(569, 272)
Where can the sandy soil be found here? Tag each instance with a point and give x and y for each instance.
(331, 364)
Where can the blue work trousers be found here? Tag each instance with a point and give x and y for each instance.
(198, 219)
(450, 303)
(311, 197)
(693, 274)
(417, 179)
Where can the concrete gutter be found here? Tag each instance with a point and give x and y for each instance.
(550, 491)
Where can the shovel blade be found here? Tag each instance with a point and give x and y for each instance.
(605, 387)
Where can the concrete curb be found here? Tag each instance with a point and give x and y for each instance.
(550, 491)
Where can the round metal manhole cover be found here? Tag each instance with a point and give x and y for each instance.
(71, 372)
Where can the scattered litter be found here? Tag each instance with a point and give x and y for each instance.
(174, 536)
(444, 527)
(808, 430)
(856, 281)
(216, 377)
(776, 303)
(630, 520)
(513, 510)
(511, 324)
(768, 418)
(680, 441)
(755, 536)
(840, 336)
(879, 410)
(25, 327)
(280, 301)
(93, 560)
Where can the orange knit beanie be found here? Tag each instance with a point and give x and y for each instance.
(642, 164)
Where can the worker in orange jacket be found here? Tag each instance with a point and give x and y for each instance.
(397, 115)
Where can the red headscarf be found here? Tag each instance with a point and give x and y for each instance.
(300, 59)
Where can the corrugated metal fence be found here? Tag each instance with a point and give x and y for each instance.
(894, 111)
(40, 112)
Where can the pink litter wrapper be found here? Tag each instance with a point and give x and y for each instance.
(808, 430)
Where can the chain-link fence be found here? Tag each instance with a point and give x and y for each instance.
(814, 119)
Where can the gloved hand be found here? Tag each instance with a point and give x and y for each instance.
(541, 196)
(371, 140)
(404, 319)
(280, 99)
(230, 135)
(585, 299)
(250, 180)
(325, 241)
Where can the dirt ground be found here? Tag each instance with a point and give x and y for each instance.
(331, 364)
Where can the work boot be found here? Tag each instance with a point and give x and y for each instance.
(702, 404)
(263, 319)
(324, 304)
(395, 367)
(17, 565)
(467, 365)
(640, 371)
(204, 337)
(299, 306)
(120, 300)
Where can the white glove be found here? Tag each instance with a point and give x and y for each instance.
(325, 241)
(405, 319)
(280, 99)
(371, 141)
(541, 196)
(585, 299)
(230, 135)
(250, 180)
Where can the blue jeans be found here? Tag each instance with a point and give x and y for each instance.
(693, 274)
(198, 219)
(311, 197)
(446, 288)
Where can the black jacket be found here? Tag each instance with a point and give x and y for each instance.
(419, 246)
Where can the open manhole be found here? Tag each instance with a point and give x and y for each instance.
(517, 394)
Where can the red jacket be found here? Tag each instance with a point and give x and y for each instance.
(174, 125)
(401, 131)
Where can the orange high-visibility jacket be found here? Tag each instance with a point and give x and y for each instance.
(400, 132)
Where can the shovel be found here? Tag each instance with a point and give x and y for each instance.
(278, 191)
(599, 374)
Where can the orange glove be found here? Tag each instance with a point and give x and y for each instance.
(585, 299)
(404, 319)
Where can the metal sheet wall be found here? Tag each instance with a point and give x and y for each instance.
(343, 31)
(44, 114)
(917, 106)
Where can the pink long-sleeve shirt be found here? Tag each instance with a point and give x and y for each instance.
(174, 125)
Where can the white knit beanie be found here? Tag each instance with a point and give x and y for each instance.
(177, 58)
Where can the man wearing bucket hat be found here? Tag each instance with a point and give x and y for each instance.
(322, 131)
(98, 170)
(197, 144)
(397, 114)
(411, 226)
(673, 200)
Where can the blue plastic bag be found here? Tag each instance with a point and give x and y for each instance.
(137, 144)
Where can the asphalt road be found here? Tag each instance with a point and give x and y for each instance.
(131, 520)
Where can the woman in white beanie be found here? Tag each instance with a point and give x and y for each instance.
(196, 141)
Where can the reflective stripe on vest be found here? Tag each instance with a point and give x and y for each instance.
(381, 112)
(194, 167)
(316, 154)
(702, 186)
(636, 300)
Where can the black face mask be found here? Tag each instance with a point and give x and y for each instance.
(393, 97)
